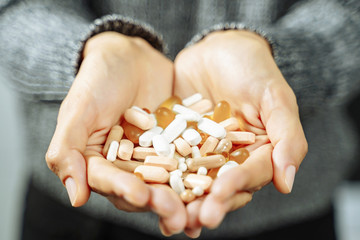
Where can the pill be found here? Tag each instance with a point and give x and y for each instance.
(202, 171)
(224, 145)
(191, 136)
(212, 128)
(145, 139)
(182, 147)
(238, 137)
(126, 149)
(183, 167)
(170, 102)
(204, 136)
(139, 119)
(177, 172)
(174, 129)
(145, 110)
(115, 134)
(187, 196)
(190, 124)
(164, 116)
(194, 180)
(132, 132)
(188, 117)
(259, 141)
(226, 155)
(239, 155)
(227, 166)
(112, 152)
(180, 109)
(153, 174)
(213, 172)
(212, 161)
(209, 145)
(179, 158)
(230, 124)
(161, 145)
(195, 152)
(140, 153)
(198, 191)
(222, 111)
(176, 183)
(192, 99)
(128, 166)
(202, 107)
(172, 150)
(169, 164)
(139, 176)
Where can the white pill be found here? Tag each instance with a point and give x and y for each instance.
(192, 99)
(198, 191)
(189, 117)
(227, 166)
(195, 152)
(161, 145)
(172, 150)
(176, 183)
(180, 109)
(178, 157)
(177, 172)
(112, 152)
(139, 109)
(191, 136)
(174, 129)
(182, 167)
(208, 114)
(212, 128)
(145, 140)
(202, 171)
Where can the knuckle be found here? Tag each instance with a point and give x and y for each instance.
(53, 158)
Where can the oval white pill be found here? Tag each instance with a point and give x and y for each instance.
(145, 139)
(177, 171)
(174, 129)
(202, 171)
(180, 109)
(198, 191)
(176, 183)
(195, 152)
(182, 167)
(192, 99)
(227, 166)
(112, 152)
(161, 145)
(212, 128)
(191, 136)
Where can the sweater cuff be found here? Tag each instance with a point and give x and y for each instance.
(123, 25)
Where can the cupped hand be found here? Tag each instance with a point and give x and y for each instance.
(116, 72)
(238, 66)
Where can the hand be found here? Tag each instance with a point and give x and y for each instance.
(117, 72)
(237, 66)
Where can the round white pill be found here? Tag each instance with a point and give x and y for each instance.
(202, 171)
(198, 191)
(182, 167)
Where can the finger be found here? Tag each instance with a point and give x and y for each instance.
(121, 204)
(259, 141)
(171, 210)
(251, 175)
(213, 218)
(105, 178)
(286, 134)
(193, 225)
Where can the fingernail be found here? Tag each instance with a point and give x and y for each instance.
(290, 176)
(71, 189)
(196, 233)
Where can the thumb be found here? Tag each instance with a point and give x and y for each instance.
(286, 134)
(64, 156)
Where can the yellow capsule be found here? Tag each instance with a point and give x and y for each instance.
(224, 146)
(192, 125)
(187, 196)
(222, 111)
(239, 155)
(208, 116)
(170, 102)
(164, 116)
(210, 154)
(203, 136)
(132, 132)
(226, 155)
(213, 172)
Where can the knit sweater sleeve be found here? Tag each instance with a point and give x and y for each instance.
(316, 46)
(41, 43)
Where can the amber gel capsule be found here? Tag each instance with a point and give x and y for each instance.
(239, 155)
(164, 116)
(222, 111)
(170, 102)
(132, 132)
(224, 146)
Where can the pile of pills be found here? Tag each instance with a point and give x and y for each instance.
(184, 143)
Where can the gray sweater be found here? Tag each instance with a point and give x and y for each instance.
(316, 46)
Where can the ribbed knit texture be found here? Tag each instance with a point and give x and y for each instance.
(316, 46)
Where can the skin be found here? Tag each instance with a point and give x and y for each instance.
(109, 82)
(237, 66)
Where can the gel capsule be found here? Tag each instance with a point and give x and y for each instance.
(239, 155)
(222, 111)
(164, 116)
(170, 102)
(132, 132)
(224, 145)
